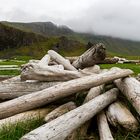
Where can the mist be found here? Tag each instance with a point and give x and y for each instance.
(117, 18)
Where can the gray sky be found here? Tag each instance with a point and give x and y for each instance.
(118, 18)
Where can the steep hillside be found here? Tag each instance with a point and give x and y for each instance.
(115, 46)
(12, 38)
(44, 28)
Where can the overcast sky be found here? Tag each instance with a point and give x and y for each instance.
(118, 18)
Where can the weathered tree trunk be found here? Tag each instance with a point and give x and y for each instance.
(118, 114)
(14, 89)
(61, 60)
(60, 111)
(91, 57)
(49, 73)
(61, 127)
(25, 116)
(40, 98)
(103, 127)
(130, 87)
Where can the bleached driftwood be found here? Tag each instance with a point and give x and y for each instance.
(13, 79)
(118, 114)
(103, 127)
(25, 116)
(45, 60)
(82, 131)
(92, 69)
(49, 73)
(130, 87)
(14, 89)
(61, 60)
(40, 98)
(60, 111)
(62, 126)
(104, 130)
(91, 57)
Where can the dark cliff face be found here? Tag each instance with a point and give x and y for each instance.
(12, 38)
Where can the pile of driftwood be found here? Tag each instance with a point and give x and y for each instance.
(53, 84)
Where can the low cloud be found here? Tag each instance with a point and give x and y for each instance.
(118, 18)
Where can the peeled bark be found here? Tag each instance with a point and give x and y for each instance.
(40, 98)
(104, 130)
(60, 111)
(61, 127)
(61, 60)
(49, 73)
(14, 89)
(25, 116)
(130, 87)
(118, 114)
(91, 57)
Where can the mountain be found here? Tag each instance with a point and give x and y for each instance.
(12, 38)
(46, 35)
(16, 41)
(43, 28)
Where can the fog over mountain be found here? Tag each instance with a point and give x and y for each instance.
(117, 18)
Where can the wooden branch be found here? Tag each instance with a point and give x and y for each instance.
(25, 116)
(61, 127)
(104, 130)
(130, 87)
(60, 111)
(91, 57)
(49, 73)
(61, 60)
(40, 98)
(118, 114)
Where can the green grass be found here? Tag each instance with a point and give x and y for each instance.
(9, 72)
(11, 62)
(134, 67)
(16, 131)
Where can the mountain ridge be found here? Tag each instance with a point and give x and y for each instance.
(48, 30)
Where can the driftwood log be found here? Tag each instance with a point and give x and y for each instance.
(104, 130)
(82, 131)
(26, 116)
(130, 87)
(14, 89)
(60, 111)
(91, 57)
(61, 127)
(40, 98)
(118, 114)
(49, 73)
(61, 60)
